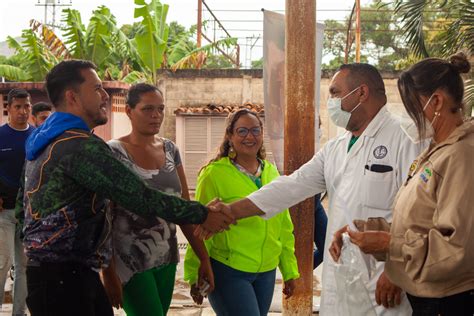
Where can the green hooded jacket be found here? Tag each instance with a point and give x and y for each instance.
(253, 244)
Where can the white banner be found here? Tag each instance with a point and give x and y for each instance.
(274, 81)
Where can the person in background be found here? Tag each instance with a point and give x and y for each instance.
(40, 112)
(320, 218)
(430, 246)
(146, 247)
(244, 259)
(13, 136)
(320, 227)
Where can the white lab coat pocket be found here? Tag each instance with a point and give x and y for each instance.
(379, 190)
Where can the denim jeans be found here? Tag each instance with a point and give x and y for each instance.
(240, 293)
(461, 304)
(59, 289)
(12, 252)
(320, 226)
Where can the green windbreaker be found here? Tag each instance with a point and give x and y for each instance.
(254, 244)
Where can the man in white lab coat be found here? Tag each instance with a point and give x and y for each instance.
(361, 170)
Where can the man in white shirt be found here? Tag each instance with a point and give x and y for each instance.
(361, 170)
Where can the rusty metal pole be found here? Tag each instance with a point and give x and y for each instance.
(357, 37)
(199, 24)
(300, 70)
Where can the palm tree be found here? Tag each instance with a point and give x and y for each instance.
(455, 17)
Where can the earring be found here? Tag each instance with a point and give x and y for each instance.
(232, 154)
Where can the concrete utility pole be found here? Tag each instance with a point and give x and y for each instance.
(300, 73)
(199, 24)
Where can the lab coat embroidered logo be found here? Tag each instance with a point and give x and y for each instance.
(380, 152)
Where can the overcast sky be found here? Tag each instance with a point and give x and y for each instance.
(15, 15)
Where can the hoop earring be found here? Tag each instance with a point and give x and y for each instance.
(232, 154)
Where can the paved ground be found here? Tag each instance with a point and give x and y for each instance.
(182, 303)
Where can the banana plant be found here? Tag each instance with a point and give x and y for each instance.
(14, 73)
(152, 36)
(104, 43)
(182, 55)
(36, 58)
(74, 33)
(101, 42)
(98, 36)
(50, 39)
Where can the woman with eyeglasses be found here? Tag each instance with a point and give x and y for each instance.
(244, 259)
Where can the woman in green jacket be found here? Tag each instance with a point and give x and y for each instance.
(244, 258)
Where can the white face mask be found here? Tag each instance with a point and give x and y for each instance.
(337, 114)
(410, 129)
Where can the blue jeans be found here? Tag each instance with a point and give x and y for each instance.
(320, 226)
(240, 293)
(12, 252)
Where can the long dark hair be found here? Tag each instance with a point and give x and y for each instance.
(224, 147)
(428, 75)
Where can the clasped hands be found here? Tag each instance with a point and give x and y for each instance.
(369, 242)
(219, 218)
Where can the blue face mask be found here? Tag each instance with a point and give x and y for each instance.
(337, 114)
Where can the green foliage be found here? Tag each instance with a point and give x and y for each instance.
(13, 60)
(130, 29)
(455, 18)
(13, 73)
(176, 30)
(257, 64)
(413, 18)
(98, 39)
(135, 77)
(74, 33)
(132, 53)
(152, 37)
(33, 58)
(379, 40)
(182, 55)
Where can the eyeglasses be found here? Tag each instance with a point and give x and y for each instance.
(244, 131)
